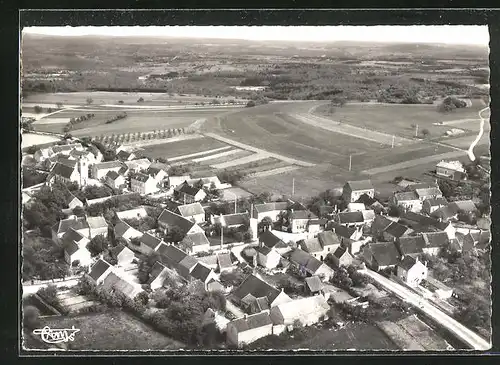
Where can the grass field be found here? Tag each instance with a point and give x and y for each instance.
(111, 330)
(30, 139)
(180, 148)
(397, 119)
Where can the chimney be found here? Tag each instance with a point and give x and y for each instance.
(245, 316)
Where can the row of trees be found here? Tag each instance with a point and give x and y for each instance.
(140, 136)
(117, 117)
(73, 121)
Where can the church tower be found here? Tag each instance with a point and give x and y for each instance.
(83, 169)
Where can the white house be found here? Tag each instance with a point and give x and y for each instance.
(75, 248)
(157, 275)
(248, 329)
(271, 210)
(193, 212)
(411, 271)
(408, 200)
(307, 311)
(267, 257)
(189, 194)
(175, 181)
(143, 184)
(451, 169)
(115, 180)
(196, 242)
(204, 274)
(97, 226)
(353, 190)
(100, 270)
(156, 173)
(429, 206)
(99, 170)
(136, 213)
(123, 230)
(123, 255)
(299, 220)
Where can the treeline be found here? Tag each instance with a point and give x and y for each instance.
(73, 121)
(117, 117)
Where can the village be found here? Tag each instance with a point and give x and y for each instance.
(146, 232)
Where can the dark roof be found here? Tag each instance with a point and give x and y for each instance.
(108, 165)
(380, 223)
(314, 284)
(120, 228)
(411, 244)
(187, 189)
(407, 263)
(71, 247)
(271, 240)
(157, 268)
(113, 175)
(256, 287)
(200, 272)
(350, 217)
(188, 210)
(188, 262)
(251, 322)
(366, 200)
(153, 171)
(214, 285)
(465, 205)
(63, 170)
(302, 214)
(328, 238)
(418, 218)
(65, 224)
(384, 253)
(339, 252)
(115, 251)
(71, 236)
(435, 239)
(310, 245)
(171, 219)
(360, 185)
(224, 260)
(123, 154)
(436, 201)
(446, 212)
(326, 209)
(269, 207)
(171, 254)
(263, 250)
(396, 230)
(305, 260)
(344, 231)
(262, 303)
(150, 240)
(406, 195)
(237, 219)
(98, 269)
(197, 239)
(140, 177)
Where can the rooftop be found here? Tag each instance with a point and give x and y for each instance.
(189, 210)
(251, 322)
(271, 240)
(99, 268)
(360, 185)
(172, 219)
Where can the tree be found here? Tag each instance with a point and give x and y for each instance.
(31, 317)
(97, 245)
(175, 234)
(250, 104)
(140, 100)
(59, 105)
(446, 188)
(145, 266)
(89, 100)
(38, 109)
(338, 100)
(425, 132)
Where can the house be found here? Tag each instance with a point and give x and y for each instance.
(467, 206)
(351, 219)
(270, 240)
(65, 148)
(115, 283)
(267, 257)
(417, 221)
(329, 241)
(271, 210)
(167, 220)
(342, 257)
(196, 242)
(214, 285)
(99, 170)
(97, 226)
(143, 184)
(408, 200)
(440, 290)
(75, 248)
(308, 265)
(451, 169)
(445, 214)
(349, 237)
(447, 227)
(480, 241)
(381, 255)
(204, 274)
(316, 225)
(64, 225)
(434, 242)
(395, 231)
(353, 190)
(231, 220)
(123, 230)
(370, 202)
(379, 225)
(138, 165)
(123, 155)
(115, 180)
(194, 212)
(86, 155)
(186, 266)
(430, 205)
(209, 261)
(176, 259)
(100, 270)
(258, 288)
(314, 246)
(224, 262)
(411, 245)
(307, 311)
(137, 213)
(175, 181)
(314, 285)
(216, 318)
(145, 244)
(356, 207)
(123, 255)
(72, 202)
(68, 174)
(248, 329)
(428, 193)
(411, 271)
(299, 220)
(42, 154)
(206, 182)
(189, 194)
(156, 173)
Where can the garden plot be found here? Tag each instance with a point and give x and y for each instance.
(182, 148)
(197, 154)
(74, 302)
(217, 155)
(225, 157)
(276, 171)
(241, 161)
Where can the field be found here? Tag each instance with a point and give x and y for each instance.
(30, 139)
(178, 149)
(398, 119)
(111, 330)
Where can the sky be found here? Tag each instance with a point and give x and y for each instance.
(461, 34)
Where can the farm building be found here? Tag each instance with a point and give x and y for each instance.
(116, 283)
(314, 285)
(248, 329)
(408, 200)
(309, 265)
(299, 220)
(175, 181)
(78, 224)
(411, 245)
(136, 213)
(430, 205)
(231, 220)
(451, 169)
(189, 194)
(271, 210)
(429, 193)
(99, 170)
(307, 311)
(97, 226)
(381, 255)
(138, 165)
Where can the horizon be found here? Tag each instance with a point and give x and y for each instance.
(442, 34)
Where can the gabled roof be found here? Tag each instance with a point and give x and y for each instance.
(305, 260)
(209, 260)
(418, 218)
(380, 223)
(310, 245)
(71, 247)
(150, 240)
(360, 185)
(271, 240)
(436, 202)
(156, 270)
(270, 207)
(201, 272)
(396, 230)
(140, 164)
(112, 175)
(99, 268)
(465, 205)
(350, 217)
(368, 215)
(328, 238)
(406, 196)
(366, 200)
(188, 210)
(108, 165)
(138, 176)
(197, 239)
(71, 236)
(65, 224)
(446, 212)
(172, 254)
(62, 170)
(428, 192)
(115, 251)
(65, 147)
(340, 251)
(264, 250)
(302, 214)
(314, 284)
(407, 263)
(121, 228)
(435, 239)
(237, 219)
(343, 231)
(224, 260)
(451, 165)
(97, 222)
(185, 188)
(303, 308)
(421, 185)
(188, 262)
(256, 287)
(171, 219)
(252, 322)
(411, 244)
(154, 171)
(113, 281)
(123, 154)
(132, 213)
(384, 253)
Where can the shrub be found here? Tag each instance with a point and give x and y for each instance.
(31, 317)
(140, 100)
(120, 101)
(49, 294)
(38, 109)
(250, 104)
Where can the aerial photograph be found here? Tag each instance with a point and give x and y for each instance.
(234, 188)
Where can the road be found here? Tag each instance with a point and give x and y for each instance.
(456, 328)
(481, 132)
